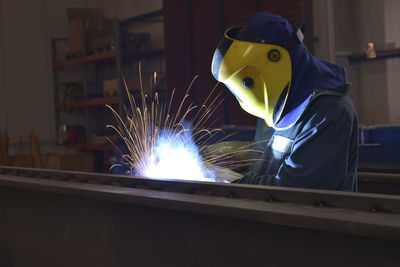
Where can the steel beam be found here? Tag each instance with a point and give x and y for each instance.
(54, 218)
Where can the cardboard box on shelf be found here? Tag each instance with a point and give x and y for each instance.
(133, 83)
(76, 27)
(110, 87)
(76, 36)
(100, 34)
(135, 40)
(93, 35)
(89, 31)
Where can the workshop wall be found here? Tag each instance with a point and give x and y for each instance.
(193, 30)
(375, 83)
(26, 87)
(323, 29)
(368, 20)
(392, 38)
(2, 91)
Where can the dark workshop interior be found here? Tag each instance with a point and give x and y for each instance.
(199, 133)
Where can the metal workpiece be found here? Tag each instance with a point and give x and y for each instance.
(381, 183)
(109, 217)
(371, 215)
(379, 177)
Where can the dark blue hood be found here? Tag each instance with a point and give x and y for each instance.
(308, 72)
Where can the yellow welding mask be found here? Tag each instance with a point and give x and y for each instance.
(257, 73)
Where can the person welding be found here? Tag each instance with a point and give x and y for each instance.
(308, 122)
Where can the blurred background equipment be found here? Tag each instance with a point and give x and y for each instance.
(4, 141)
(131, 40)
(72, 93)
(30, 154)
(111, 88)
(84, 25)
(88, 74)
(370, 51)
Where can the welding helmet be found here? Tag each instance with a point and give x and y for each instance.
(258, 72)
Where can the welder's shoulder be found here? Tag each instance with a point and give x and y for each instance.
(333, 109)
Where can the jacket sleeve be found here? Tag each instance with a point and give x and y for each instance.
(319, 154)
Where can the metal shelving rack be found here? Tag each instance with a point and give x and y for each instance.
(118, 58)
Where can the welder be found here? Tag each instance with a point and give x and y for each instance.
(306, 119)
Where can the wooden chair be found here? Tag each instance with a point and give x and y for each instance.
(4, 158)
(34, 148)
(33, 159)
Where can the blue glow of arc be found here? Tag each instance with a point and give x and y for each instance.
(176, 157)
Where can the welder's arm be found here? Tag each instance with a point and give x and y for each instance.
(319, 155)
(239, 151)
(254, 178)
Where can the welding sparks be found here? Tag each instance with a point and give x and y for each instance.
(178, 158)
(162, 145)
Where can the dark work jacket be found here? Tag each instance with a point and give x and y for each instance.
(319, 151)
